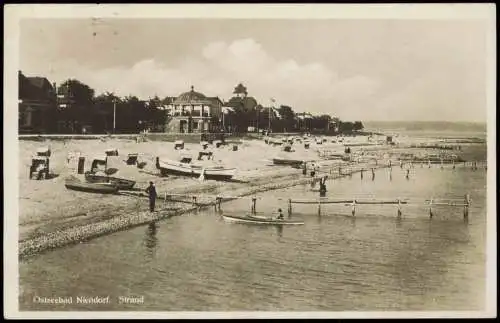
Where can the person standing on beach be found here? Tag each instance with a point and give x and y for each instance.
(280, 215)
(151, 190)
(313, 170)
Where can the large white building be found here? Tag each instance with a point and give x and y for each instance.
(193, 112)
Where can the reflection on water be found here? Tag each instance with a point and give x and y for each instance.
(150, 240)
(279, 230)
(399, 222)
(335, 262)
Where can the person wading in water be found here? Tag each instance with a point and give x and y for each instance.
(151, 190)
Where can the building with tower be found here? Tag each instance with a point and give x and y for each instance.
(193, 112)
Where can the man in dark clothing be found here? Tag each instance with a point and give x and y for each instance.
(151, 190)
(280, 215)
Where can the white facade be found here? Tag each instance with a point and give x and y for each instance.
(196, 110)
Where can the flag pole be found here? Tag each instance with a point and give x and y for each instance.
(269, 120)
(114, 115)
(269, 116)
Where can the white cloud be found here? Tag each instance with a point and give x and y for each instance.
(219, 67)
(310, 86)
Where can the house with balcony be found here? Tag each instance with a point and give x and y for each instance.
(193, 112)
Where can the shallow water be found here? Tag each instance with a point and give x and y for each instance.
(335, 262)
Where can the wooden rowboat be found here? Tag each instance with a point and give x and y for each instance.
(254, 219)
(122, 183)
(288, 162)
(184, 166)
(76, 184)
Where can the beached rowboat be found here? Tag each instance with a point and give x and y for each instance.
(287, 161)
(76, 184)
(122, 183)
(254, 219)
(184, 166)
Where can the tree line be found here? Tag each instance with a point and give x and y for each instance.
(81, 110)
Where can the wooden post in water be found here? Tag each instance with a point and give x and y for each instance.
(430, 209)
(289, 208)
(254, 202)
(353, 206)
(373, 174)
(194, 201)
(399, 208)
(319, 206)
(408, 174)
(466, 205)
(453, 163)
(362, 170)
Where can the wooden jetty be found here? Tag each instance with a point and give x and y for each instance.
(465, 203)
(198, 201)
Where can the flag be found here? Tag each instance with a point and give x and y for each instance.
(277, 113)
(226, 110)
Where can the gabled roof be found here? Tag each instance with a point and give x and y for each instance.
(38, 81)
(34, 87)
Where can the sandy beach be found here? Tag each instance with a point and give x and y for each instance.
(52, 215)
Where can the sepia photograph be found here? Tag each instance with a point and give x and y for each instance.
(250, 161)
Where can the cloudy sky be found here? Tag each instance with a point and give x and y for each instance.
(354, 69)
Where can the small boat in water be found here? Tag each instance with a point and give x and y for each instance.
(256, 219)
(184, 165)
(74, 183)
(122, 183)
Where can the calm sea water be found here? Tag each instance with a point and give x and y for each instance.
(334, 262)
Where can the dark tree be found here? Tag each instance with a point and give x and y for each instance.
(346, 127)
(75, 102)
(103, 112)
(358, 125)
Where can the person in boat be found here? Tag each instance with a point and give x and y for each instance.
(151, 190)
(280, 215)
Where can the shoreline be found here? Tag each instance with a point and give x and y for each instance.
(81, 233)
(46, 223)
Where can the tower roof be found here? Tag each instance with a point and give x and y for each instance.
(240, 88)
